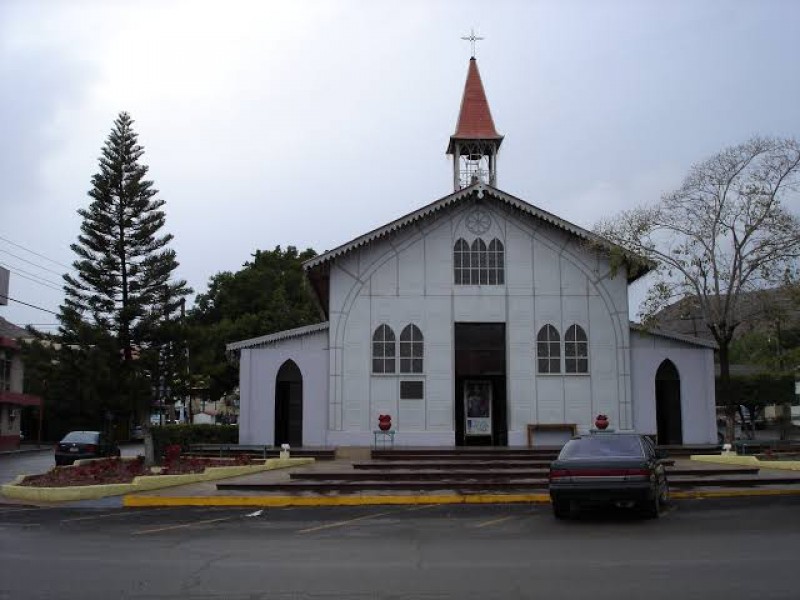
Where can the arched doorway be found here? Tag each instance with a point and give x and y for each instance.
(668, 404)
(289, 405)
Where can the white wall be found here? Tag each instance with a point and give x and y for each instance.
(550, 278)
(258, 369)
(695, 366)
(408, 278)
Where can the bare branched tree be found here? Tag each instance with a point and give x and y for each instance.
(724, 233)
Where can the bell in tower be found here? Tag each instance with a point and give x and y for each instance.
(475, 143)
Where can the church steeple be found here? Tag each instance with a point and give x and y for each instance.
(475, 143)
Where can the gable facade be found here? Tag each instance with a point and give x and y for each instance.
(549, 279)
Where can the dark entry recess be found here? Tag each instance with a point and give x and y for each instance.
(480, 356)
(668, 404)
(289, 405)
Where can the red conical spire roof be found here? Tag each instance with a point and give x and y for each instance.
(475, 119)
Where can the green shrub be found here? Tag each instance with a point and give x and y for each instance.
(186, 435)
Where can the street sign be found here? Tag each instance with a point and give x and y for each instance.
(4, 275)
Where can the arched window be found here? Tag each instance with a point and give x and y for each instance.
(461, 262)
(383, 350)
(496, 263)
(411, 350)
(477, 265)
(548, 350)
(478, 272)
(576, 350)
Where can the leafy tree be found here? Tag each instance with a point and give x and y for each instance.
(123, 292)
(755, 392)
(268, 294)
(723, 233)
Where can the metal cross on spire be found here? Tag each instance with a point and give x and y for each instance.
(472, 38)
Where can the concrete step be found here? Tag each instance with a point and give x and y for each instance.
(513, 463)
(471, 474)
(743, 482)
(383, 486)
(457, 484)
(471, 456)
(711, 471)
(318, 454)
(483, 474)
(689, 450)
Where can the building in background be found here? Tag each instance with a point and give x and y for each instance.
(12, 399)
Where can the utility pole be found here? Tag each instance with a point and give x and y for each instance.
(187, 386)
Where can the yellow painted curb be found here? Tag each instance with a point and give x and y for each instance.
(141, 484)
(283, 501)
(280, 501)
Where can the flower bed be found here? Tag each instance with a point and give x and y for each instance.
(116, 470)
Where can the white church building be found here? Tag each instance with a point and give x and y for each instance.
(478, 319)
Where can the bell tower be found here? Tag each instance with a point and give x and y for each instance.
(475, 143)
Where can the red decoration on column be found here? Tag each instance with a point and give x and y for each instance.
(601, 421)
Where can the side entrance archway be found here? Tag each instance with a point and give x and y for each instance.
(289, 405)
(668, 404)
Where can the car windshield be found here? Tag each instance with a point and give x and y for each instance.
(82, 437)
(599, 446)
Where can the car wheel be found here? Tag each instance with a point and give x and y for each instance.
(651, 509)
(561, 509)
(665, 494)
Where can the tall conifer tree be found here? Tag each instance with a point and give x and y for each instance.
(122, 296)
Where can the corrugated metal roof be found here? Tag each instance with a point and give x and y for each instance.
(265, 340)
(688, 339)
(480, 189)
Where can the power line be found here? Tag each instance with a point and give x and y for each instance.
(26, 304)
(35, 253)
(33, 277)
(29, 262)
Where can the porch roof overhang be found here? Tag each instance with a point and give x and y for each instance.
(19, 399)
(7, 342)
(266, 340)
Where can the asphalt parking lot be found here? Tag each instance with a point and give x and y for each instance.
(736, 548)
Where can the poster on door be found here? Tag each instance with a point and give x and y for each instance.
(478, 408)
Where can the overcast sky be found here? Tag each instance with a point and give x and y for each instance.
(309, 123)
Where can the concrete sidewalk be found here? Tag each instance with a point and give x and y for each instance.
(27, 448)
(207, 494)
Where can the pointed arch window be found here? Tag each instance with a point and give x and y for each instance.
(496, 262)
(576, 350)
(461, 262)
(411, 350)
(383, 350)
(548, 350)
(478, 272)
(478, 264)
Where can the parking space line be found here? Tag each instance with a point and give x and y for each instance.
(6, 511)
(494, 521)
(420, 507)
(185, 525)
(342, 523)
(120, 513)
